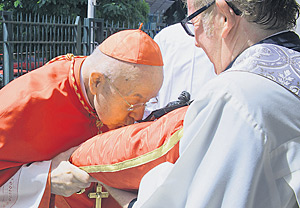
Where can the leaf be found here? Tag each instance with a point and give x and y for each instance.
(17, 3)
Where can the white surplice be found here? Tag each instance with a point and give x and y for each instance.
(241, 143)
(26, 188)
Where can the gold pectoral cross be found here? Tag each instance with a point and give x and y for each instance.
(99, 195)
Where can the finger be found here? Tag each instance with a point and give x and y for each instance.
(80, 175)
(83, 186)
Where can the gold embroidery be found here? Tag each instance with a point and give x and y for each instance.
(99, 123)
(71, 57)
(140, 160)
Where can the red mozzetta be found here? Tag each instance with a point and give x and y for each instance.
(41, 115)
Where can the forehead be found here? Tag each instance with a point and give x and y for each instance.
(140, 83)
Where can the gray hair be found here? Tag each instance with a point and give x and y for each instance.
(268, 14)
(109, 66)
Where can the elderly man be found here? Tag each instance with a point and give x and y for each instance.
(241, 139)
(186, 67)
(64, 103)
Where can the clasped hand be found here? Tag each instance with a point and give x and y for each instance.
(67, 179)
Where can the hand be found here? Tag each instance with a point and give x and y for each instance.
(67, 179)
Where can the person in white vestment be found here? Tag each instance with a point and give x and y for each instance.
(186, 67)
(241, 142)
(297, 29)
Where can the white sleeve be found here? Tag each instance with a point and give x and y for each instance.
(26, 187)
(223, 162)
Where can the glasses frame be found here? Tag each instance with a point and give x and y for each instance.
(131, 106)
(187, 20)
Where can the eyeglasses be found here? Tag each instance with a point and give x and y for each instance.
(131, 107)
(188, 25)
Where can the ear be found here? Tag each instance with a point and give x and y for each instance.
(228, 15)
(96, 80)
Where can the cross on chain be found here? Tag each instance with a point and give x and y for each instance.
(99, 195)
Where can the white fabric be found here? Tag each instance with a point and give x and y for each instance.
(297, 29)
(186, 67)
(26, 187)
(241, 144)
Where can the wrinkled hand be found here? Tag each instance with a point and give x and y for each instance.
(67, 179)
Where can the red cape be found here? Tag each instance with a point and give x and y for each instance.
(41, 115)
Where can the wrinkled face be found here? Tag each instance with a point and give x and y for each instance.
(205, 32)
(110, 100)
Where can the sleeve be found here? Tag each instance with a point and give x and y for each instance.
(29, 187)
(221, 160)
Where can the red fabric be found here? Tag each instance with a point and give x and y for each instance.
(133, 46)
(119, 145)
(82, 200)
(41, 116)
(46, 199)
(127, 143)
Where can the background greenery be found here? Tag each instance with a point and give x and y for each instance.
(125, 10)
(116, 10)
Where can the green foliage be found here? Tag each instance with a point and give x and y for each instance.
(49, 7)
(17, 3)
(116, 10)
(123, 10)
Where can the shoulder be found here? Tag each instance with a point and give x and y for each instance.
(270, 106)
(250, 89)
(39, 84)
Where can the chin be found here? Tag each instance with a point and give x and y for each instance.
(114, 126)
(111, 127)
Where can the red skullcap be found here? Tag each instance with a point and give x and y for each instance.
(133, 46)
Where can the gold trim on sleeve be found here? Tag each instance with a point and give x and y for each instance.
(140, 160)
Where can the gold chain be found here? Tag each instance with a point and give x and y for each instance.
(71, 57)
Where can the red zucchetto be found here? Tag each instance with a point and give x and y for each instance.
(133, 46)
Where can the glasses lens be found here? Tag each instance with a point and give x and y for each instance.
(152, 101)
(190, 28)
(135, 106)
(131, 108)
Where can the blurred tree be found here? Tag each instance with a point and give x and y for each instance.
(124, 10)
(47, 7)
(117, 10)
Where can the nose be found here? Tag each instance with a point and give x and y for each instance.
(137, 114)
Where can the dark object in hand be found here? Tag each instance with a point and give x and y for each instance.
(183, 100)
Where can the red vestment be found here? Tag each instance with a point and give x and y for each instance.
(42, 114)
(121, 157)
